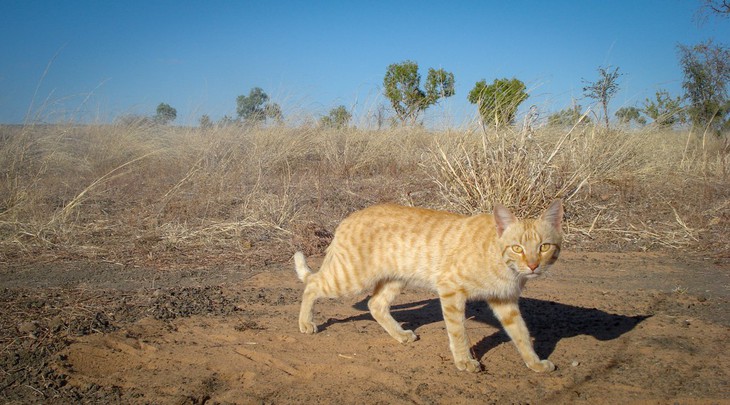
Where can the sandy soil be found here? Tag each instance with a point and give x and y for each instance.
(621, 328)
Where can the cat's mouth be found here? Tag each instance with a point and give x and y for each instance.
(527, 272)
(530, 273)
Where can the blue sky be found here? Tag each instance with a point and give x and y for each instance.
(103, 59)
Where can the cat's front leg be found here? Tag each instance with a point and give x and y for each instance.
(508, 313)
(453, 305)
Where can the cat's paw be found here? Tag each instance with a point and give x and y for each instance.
(469, 365)
(407, 336)
(542, 366)
(308, 327)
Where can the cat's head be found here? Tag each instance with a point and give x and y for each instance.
(530, 246)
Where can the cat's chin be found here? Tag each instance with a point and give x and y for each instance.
(531, 275)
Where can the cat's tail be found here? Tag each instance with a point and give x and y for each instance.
(300, 265)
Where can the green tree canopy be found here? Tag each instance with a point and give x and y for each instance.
(165, 114)
(338, 118)
(627, 114)
(568, 117)
(402, 87)
(498, 102)
(664, 110)
(706, 68)
(255, 107)
(603, 89)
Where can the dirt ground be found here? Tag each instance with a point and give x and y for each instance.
(621, 328)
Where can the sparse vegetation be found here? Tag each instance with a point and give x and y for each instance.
(138, 193)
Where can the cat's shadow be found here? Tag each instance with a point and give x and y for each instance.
(548, 322)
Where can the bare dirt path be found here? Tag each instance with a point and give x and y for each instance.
(619, 327)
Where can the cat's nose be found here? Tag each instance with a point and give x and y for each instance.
(533, 266)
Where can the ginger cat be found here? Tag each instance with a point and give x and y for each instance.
(488, 257)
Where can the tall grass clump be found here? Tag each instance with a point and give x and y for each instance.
(525, 171)
(626, 187)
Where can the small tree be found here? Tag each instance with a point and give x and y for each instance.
(134, 120)
(497, 103)
(206, 122)
(627, 114)
(402, 87)
(706, 68)
(165, 114)
(255, 108)
(338, 118)
(568, 117)
(603, 89)
(273, 111)
(226, 121)
(664, 110)
(379, 116)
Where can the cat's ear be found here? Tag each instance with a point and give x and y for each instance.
(554, 214)
(503, 217)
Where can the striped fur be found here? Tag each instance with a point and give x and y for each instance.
(490, 257)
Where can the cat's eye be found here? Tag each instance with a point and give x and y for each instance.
(544, 247)
(517, 249)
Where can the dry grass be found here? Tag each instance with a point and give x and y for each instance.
(134, 194)
(623, 189)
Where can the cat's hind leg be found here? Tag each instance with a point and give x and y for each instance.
(333, 280)
(306, 318)
(379, 305)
